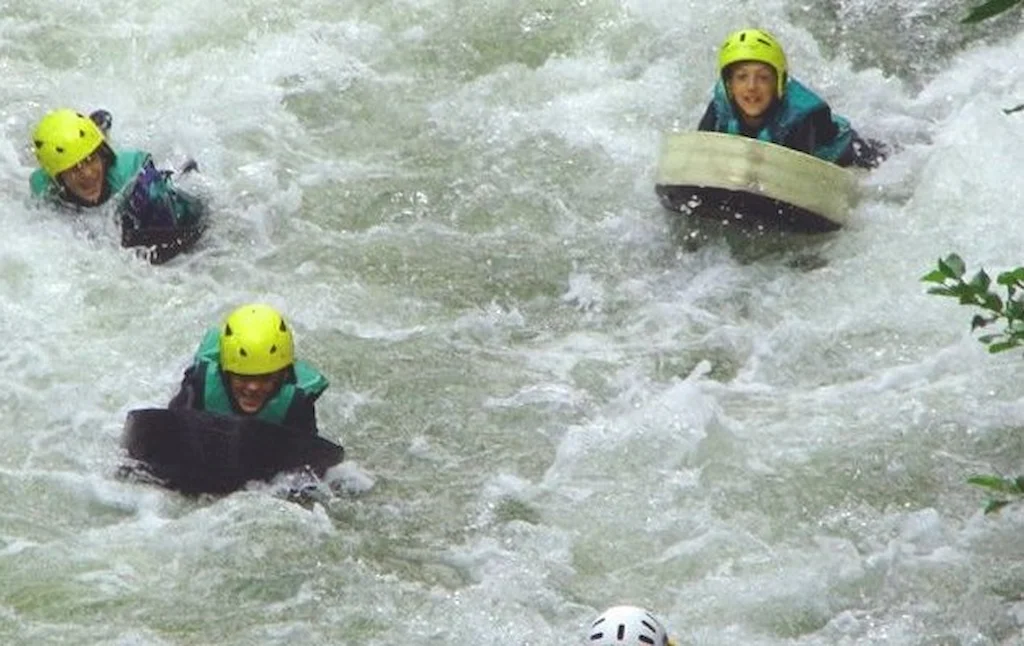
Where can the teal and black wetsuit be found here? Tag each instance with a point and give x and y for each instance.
(801, 121)
(204, 387)
(125, 167)
(147, 196)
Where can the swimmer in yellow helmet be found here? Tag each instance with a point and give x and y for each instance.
(79, 169)
(756, 97)
(247, 367)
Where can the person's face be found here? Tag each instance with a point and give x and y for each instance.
(85, 179)
(251, 392)
(752, 86)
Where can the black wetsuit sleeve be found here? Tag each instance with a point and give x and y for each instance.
(707, 122)
(802, 138)
(816, 130)
(301, 415)
(190, 394)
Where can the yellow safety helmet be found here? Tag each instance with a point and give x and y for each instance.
(754, 45)
(63, 139)
(255, 340)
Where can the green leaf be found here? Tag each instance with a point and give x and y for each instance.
(1011, 277)
(1002, 347)
(992, 302)
(997, 483)
(953, 266)
(1013, 486)
(989, 9)
(981, 281)
(936, 276)
(964, 292)
(994, 506)
(941, 291)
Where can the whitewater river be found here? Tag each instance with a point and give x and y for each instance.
(549, 404)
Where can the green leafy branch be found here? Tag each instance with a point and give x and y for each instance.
(989, 9)
(979, 292)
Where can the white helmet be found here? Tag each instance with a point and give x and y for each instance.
(626, 626)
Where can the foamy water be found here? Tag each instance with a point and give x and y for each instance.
(549, 406)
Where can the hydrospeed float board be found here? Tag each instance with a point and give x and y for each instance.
(752, 182)
(198, 452)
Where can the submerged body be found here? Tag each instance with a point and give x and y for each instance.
(197, 452)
